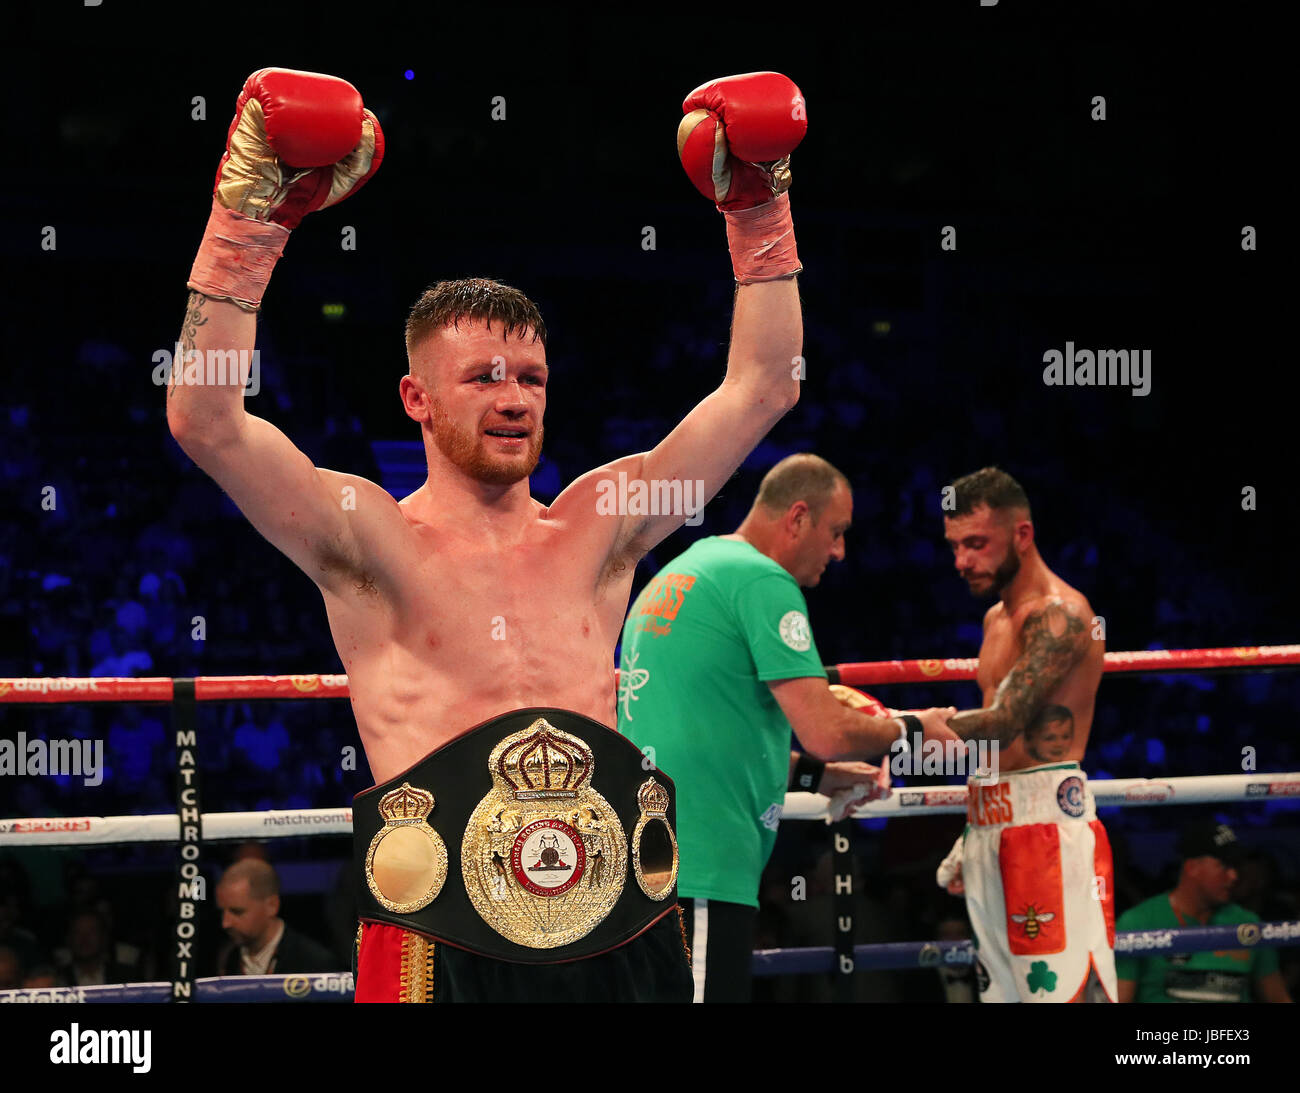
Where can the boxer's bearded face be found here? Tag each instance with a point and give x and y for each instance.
(499, 460)
(984, 550)
(487, 397)
(1004, 574)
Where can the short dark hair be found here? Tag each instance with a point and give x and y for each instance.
(447, 302)
(803, 477)
(988, 486)
(263, 881)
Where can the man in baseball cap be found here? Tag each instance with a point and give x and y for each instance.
(1202, 897)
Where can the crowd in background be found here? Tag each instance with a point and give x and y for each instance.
(141, 567)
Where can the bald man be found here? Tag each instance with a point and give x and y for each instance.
(262, 943)
(718, 666)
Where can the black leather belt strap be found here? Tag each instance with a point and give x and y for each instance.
(457, 775)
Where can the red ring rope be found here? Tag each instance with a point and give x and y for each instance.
(861, 674)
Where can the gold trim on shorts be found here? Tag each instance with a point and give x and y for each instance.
(417, 968)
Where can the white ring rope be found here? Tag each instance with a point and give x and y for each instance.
(1124, 792)
(901, 803)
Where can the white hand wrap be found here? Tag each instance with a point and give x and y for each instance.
(950, 868)
(841, 799)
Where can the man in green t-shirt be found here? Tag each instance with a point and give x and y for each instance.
(718, 664)
(1201, 898)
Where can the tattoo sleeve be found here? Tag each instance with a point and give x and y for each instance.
(194, 318)
(1054, 641)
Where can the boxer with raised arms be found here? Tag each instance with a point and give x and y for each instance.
(476, 624)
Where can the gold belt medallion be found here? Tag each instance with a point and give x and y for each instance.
(654, 846)
(544, 855)
(406, 864)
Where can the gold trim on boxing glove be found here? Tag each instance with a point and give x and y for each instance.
(406, 863)
(720, 171)
(253, 180)
(654, 846)
(356, 165)
(848, 696)
(781, 177)
(686, 127)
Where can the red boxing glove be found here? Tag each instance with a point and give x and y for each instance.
(299, 141)
(736, 138)
(859, 700)
(735, 143)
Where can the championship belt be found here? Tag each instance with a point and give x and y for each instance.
(548, 812)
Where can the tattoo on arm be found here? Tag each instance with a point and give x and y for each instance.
(1054, 641)
(194, 318)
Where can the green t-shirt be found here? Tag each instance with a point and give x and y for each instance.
(700, 644)
(1222, 976)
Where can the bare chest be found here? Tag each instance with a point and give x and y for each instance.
(541, 587)
(468, 630)
(464, 623)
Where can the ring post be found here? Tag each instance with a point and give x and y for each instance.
(190, 884)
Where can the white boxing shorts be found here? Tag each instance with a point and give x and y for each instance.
(1040, 888)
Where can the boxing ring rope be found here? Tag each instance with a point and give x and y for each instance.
(1249, 657)
(890, 956)
(860, 674)
(327, 987)
(902, 802)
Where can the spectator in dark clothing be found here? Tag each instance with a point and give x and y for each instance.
(261, 943)
(90, 959)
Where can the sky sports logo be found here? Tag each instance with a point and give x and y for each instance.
(1273, 789)
(38, 826)
(933, 797)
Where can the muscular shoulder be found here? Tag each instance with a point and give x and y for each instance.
(591, 515)
(1054, 620)
(594, 496)
(354, 492)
